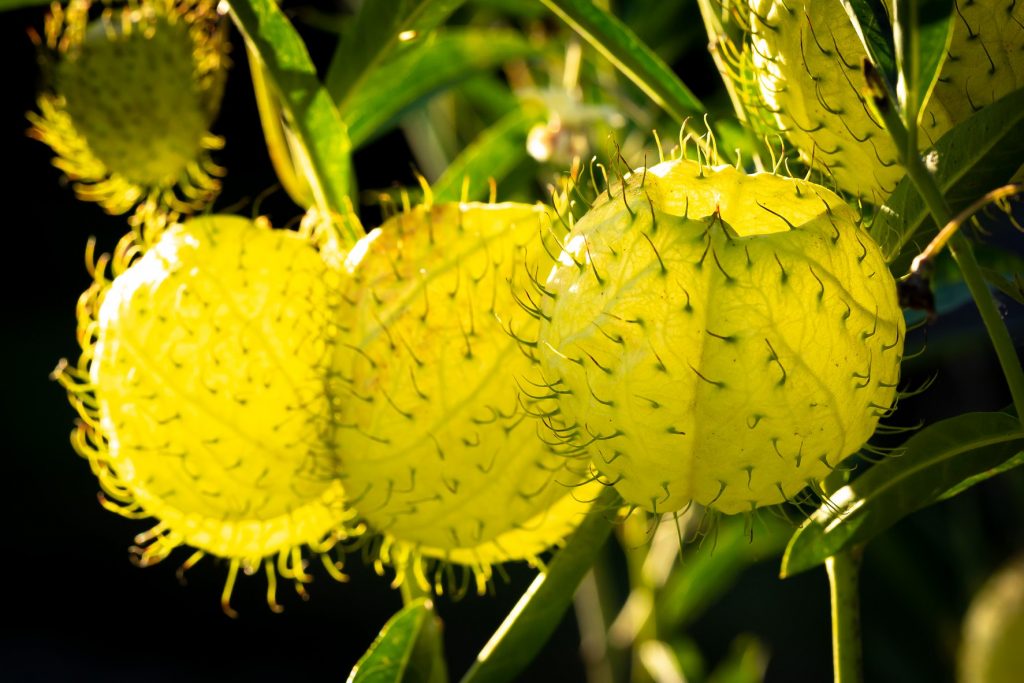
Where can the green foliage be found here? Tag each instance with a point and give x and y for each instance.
(938, 462)
(407, 650)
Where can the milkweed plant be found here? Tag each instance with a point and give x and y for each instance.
(603, 309)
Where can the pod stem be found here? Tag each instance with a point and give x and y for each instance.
(959, 246)
(847, 659)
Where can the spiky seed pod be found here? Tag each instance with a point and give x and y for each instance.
(808, 59)
(202, 389)
(437, 450)
(718, 337)
(132, 97)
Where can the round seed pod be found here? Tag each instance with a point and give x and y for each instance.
(993, 629)
(438, 453)
(807, 59)
(716, 337)
(202, 389)
(132, 96)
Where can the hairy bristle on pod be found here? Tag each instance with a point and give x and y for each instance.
(438, 451)
(718, 337)
(132, 94)
(807, 59)
(202, 391)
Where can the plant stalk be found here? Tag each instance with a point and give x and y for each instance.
(847, 658)
(961, 250)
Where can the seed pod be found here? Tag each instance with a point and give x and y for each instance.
(718, 337)
(807, 57)
(437, 452)
(133, 95)
(203, 397)
(993, 629)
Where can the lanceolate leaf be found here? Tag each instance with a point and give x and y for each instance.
(630, 55)
(933, 31)
(307, 108)
(420, 72)
(407, 650)
(494, 154)
(876, 33)
(976, 156)
(381, 27)
(538, 612)
(939, 461)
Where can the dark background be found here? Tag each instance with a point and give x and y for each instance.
(73, 608)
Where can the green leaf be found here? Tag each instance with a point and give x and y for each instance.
(19, 4)
(872, 23)
(381, 27)
(308, 110)
(422, 71)
(710, 570)
(531, 622)
(494, 153)
(933, 35)
(974, 157)
(936, 463)
(407, 650)
(630, 55)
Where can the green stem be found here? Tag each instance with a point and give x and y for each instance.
(846, 647)
(411, 590)
(963, 254)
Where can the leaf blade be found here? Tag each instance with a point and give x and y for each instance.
(421, 72)
(538, 612)
(406, 649)
(630, 55)
(493, 154)
(936, 464)
(309, 110)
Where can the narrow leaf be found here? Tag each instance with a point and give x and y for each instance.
(19, 4)
(494, 153)
(936, 463)
(710, 570)
(407, 650)
(979, 154)
(381, 27)
(419, 73)
(538, 612)
(308, 110)
(933, 31)
(630, 55)
(872, 23)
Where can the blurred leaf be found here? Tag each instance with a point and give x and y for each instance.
(407, 650)
(494, 153)
(745, 663)
(872, 23)
(933, 33)
(710, 570)
(307, 108)
(630, 55)
(420, 72)
(18, 4)
(977, 155)
(532, 621)
(376, 32)
(1013, 288)
(937, 462)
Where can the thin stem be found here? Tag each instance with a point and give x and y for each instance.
(411, 590)
(847, 660)
(959, 247)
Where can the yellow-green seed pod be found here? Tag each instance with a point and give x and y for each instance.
(134, 92)
(718, 337)
(808, 61)
(993, 629)
(202, 389)
(438, 452)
